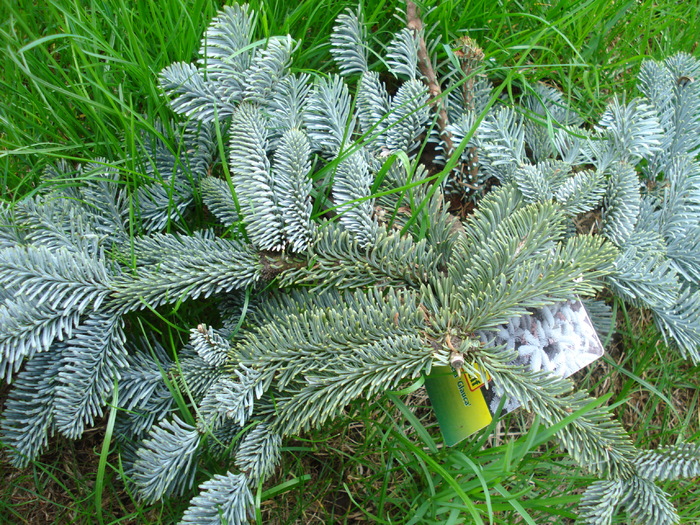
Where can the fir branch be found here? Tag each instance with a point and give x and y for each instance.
(295, 341)
(554, 173)
(677, 216)
(209, 345)
(371, 104)
(63, 280)
(259, 453)
(180, 152)
(573, 268)
(595, 440)
(600, 501)
(443, 231)
(687, 107)
(10, 233)
(677, 461)
(28, 327)
(351, 190)
(57, 224)
(278, 305)
(548, 104)
(287, 104)
(679, 211)
(200, 148)
(348, 43)
(339, 261)
(368, 370)
(601, 316)
(268, 68)
(678, 102)
(104, 200)
(61, 180)
(684, 253)
(225, 43)
(494, 209)
(28, 417)
(645, 278)
(229, 399)
(658, 84)
(293, 184)
(634, 129)
(647, 504)
(402, 53)
(90, 363)
(391, 306)
(680, 324)
(232, 308)
(471, 100)
(176, 164)
(153, 249)
(407, 117)
(500, 242)
(582, 192)
(194, 376)
(144, 397)
(217, 197)
(221, 442)
(327, 116)
(222, 499)
(533, 184)
(621, 203)
(194, 97)
(166, 462)
(571, 145)
(162, 202)
(255, 186)
(466, 178)
(502, 138)
(203, 267)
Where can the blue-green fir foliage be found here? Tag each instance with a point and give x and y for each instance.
(340, 270)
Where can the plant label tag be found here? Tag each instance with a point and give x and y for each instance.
(458, 402)
(559, 339)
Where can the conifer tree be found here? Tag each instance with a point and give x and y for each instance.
(339, 268)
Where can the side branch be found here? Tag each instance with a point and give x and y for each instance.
(414, 23)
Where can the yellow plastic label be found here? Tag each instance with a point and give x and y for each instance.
(458, 402)
(475, 382)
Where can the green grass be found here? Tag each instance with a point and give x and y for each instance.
(79, 81)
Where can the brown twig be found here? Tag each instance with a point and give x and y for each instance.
(414, 23)
(470, 56)
(274, 264)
